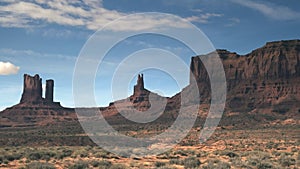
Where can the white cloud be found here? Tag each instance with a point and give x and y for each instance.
(270, 10)
(196, 10)
(232, 22)
(203, 18)
(89, 14)
(7, 68)
(29, 53)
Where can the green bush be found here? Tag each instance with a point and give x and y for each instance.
(79, 165)
(167, 167)
(64, 153)
(101, 163)
(118, 166)
(286, 161)
(39, 165)
(191, 162)
(175, 161)
(264, 165)
(217, 164)
(35, 156)
(159, 164)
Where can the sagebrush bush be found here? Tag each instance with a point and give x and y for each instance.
(39, 165)
(159, 164)
(101, 164)
(175, 161)
(79, 165)
(286, 161)
(118, 166)
(191, 162)
(264, 165)
(212, 164)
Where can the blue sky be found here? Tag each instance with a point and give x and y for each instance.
(46, 36)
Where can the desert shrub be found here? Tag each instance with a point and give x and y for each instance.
(231, 154)
(167, 167)
(264, 165)
(40, 155)
(216, 164)
(118, 166)
(67, 152)
(294, 150)
(101, 164)
(64, 153)
(191, 162)
(159, 164)
(81, 153)
(226, 153)
(286, 161)
(253, 161)
(34, 156)
(164, 156)
(84, 154)
(5, 161)
(102, 154)
(237, 161)
(181, 152)
(202, 154)
(260, 163)
(12, 157)
(175, 161)
(79, 165)
(39, 165)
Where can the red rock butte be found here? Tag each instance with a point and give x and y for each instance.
(33, 91)
(33, 109)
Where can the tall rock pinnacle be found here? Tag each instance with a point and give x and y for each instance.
(139, 87)
(139, 91)
(32, 91)
(49, 90)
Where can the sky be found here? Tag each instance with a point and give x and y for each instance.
(46, 37)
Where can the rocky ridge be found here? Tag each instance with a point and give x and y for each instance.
(261, 86)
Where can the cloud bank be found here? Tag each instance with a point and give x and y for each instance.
(87, 14)
(7, 68)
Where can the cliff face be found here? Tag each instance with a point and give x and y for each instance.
(267, 77)
(272, 61)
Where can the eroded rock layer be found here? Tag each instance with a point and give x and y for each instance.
(266, 78)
